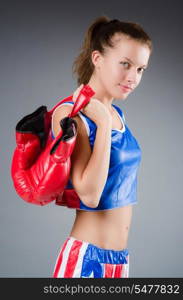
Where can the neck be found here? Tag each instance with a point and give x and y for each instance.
(100, 93)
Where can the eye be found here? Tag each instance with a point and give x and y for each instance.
(141, 70)
(125, 64)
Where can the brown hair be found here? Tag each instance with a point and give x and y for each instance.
(98, 36)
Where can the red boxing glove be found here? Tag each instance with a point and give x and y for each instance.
(41, 166)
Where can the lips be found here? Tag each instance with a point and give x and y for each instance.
(125, 88)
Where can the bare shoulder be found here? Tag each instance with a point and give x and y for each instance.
(60, 113)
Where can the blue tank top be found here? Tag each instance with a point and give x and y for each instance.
(121, 184)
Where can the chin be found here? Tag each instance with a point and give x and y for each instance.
(121, 96)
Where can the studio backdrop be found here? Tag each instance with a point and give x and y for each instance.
(39, 42)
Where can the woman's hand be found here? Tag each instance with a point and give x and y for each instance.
(95, 109)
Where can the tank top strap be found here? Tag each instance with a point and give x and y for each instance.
(120, 112)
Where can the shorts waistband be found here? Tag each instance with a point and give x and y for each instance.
(104, 255)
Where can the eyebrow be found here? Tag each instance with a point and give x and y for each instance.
(133, 62)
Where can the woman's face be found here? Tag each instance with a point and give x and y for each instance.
(121, 66)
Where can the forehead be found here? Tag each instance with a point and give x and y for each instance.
(125, 46)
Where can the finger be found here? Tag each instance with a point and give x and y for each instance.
(77, 91)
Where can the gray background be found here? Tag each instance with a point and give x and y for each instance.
(39, 41)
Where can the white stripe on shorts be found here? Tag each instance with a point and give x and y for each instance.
(78, 267)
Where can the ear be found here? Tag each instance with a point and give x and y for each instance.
(96, 58)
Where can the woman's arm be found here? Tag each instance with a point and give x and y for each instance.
(96, 171)
(89, 169)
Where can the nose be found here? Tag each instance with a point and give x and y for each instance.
(131, 76)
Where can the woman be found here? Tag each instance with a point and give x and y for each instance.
(106, 156)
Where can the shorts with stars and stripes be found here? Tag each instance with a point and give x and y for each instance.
(81, 259)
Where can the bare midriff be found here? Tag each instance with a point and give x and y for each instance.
(106, 229)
